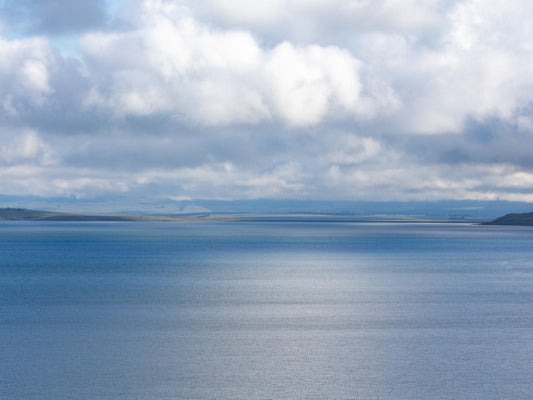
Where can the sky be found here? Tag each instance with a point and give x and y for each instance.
(331, 100)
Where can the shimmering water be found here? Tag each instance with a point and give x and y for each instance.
(265, 311)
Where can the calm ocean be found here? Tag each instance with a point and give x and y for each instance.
(273, 310)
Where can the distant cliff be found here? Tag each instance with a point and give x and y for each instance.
(525, 219)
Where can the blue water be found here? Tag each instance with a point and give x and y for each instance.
(149, 310)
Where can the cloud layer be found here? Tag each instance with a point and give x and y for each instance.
(351, 100)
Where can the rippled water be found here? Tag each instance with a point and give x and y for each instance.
(265, 311)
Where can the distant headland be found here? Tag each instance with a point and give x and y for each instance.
(520, 219)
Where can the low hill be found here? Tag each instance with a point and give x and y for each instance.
(524, 219)
(23, 214)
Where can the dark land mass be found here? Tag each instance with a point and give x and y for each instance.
(22, 214)
(522, 219)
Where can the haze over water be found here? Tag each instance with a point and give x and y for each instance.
(265, 311)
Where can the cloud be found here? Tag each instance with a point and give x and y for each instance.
(211, 77)
(306, 82)
(323, 20)
(352, 100)
(54, 16)
(24, 73)
(25, 147)
(479, 72)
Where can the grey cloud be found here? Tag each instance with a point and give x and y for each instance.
(492, 142)
(190, 103)
(327, 22)
(54, 16)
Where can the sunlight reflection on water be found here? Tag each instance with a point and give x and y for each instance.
(265, 310)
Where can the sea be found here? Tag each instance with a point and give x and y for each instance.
(265, 310)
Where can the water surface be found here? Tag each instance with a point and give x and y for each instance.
(274, 310)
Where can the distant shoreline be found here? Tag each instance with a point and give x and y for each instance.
(20, 214)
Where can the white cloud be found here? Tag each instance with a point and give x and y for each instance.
(307, 83)
(24, 147)
(480, 72)
(293, 99)
(215, 77)
(24, 72)
(351, 149)
(303, 18)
